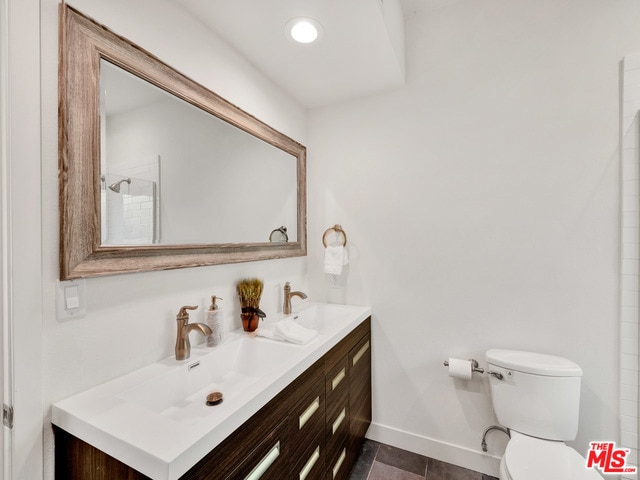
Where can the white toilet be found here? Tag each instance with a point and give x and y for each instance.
(537, 397)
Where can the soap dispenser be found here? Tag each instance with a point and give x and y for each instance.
(214, 321)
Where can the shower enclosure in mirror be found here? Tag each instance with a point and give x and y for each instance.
(158, 172)
(129, 211)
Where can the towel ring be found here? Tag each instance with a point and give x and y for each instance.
(337, 229)
(279, 235)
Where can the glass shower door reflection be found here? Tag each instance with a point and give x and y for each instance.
(130, 211)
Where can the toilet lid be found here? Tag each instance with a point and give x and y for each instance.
(529, 458)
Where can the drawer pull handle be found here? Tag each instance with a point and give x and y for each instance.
(336, 467)
(338, 421)
(265, 463)
(310, 463)
(308, 413)
(360, 353)
(338, 378)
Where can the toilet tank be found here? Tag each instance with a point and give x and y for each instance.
(539, 395)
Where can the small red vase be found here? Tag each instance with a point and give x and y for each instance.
(249, 321)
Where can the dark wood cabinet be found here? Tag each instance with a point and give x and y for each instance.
(348, 392)
(311, 430)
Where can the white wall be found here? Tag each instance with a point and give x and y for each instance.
(130, 319)
(481, 203)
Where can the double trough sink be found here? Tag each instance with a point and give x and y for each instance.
(157, 420)
(231, 368)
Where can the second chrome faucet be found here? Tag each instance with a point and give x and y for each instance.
(286, 307)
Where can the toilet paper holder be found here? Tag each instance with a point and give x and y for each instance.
(474, 365)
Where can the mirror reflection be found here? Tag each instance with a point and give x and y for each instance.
(157, 172)
(171, 173)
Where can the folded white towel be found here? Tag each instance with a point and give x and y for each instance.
(294, 333)
(287, 330)
(266, 332)
(334, 259)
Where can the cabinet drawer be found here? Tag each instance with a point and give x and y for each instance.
(269, 460)
(307, 419)
(337, 377)
(338, 466)
(360, 367)
(360, 355)
(311, 464)
(337, 424)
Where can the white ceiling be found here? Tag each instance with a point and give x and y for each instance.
(413, 6)
(359, 53)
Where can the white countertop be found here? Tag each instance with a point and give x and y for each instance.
(128, 417)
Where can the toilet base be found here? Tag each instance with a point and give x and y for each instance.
(561, 462)
(503, 474)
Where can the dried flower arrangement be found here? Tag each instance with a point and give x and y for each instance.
(249, 292)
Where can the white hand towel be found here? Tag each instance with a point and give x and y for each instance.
(286, 330)
(334, 259)
(294, 333)
(266, 332)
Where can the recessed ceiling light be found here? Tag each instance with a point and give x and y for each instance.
(303, 30)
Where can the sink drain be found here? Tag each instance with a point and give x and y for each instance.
(214, 398)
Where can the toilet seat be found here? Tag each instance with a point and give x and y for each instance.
(530, 458)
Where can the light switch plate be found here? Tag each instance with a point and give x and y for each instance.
(70, 299)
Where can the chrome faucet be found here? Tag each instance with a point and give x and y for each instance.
(286, 307)
(183, 346)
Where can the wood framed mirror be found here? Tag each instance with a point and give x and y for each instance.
(212, 180)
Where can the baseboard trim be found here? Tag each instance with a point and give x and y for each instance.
(446, 452)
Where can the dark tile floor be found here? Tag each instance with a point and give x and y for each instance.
(378, 461)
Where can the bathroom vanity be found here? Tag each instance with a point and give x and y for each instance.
(304, 414)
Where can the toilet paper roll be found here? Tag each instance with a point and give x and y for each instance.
(460, 368)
